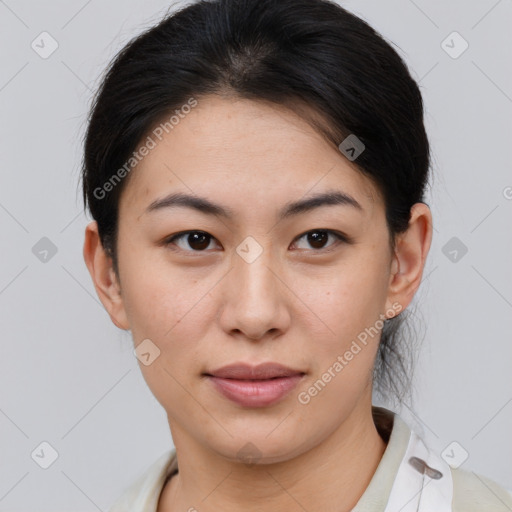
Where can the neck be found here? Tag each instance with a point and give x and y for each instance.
(330, 477)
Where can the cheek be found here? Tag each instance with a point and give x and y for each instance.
(343, 355)
(174, 312)
(156, 298)
(349, 303)
(169, 312)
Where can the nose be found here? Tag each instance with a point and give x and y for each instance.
(255, 299)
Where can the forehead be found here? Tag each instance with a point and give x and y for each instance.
(240, 150)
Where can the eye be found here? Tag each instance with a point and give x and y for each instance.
(197, 240)
(318, 238)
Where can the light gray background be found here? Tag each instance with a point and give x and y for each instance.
(68, 375)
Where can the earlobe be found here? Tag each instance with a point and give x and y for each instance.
(104, 278)
(410, 255)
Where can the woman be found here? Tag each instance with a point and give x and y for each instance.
(256, 172)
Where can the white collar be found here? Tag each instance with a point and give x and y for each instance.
(406, 479)
(423, 482)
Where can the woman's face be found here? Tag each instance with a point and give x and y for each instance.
(255, 287)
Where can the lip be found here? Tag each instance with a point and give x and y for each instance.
(255, 386)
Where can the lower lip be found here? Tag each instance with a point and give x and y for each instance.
(255, 393)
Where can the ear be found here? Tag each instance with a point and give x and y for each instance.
(104, 278)
(409, 258)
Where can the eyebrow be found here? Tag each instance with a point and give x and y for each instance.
(205, 206)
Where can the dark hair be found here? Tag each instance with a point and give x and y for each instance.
(312, 56)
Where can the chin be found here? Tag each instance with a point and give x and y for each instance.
(260, 448)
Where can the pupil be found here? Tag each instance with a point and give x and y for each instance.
(198, 240)
(313, 239)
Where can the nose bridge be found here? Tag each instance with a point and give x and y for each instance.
(252, 272)
(255, 276)
(254, 300)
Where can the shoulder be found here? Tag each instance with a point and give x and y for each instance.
(463, 491)
(143, 493)
(473, 492)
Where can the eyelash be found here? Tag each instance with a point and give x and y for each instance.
(340, 237)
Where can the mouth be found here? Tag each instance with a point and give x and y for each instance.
(255, 386)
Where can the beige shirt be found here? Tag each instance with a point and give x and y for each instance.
(471, 492)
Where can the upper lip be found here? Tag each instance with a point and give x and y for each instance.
(244, 371)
